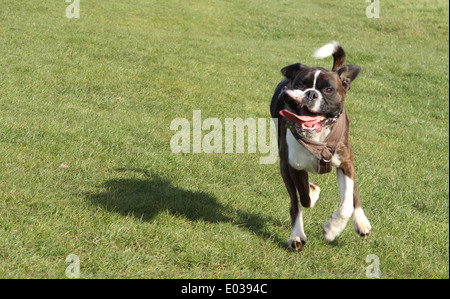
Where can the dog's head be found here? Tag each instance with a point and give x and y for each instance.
(314, 97)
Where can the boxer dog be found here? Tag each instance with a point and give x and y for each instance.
(313, 136)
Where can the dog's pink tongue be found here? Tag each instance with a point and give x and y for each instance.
(306, 120)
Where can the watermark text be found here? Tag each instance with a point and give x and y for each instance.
(373, 270)
(73, 9)
(73, 270)
(373, 10)
(220, 136)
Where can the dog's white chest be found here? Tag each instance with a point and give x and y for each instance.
(298, 156)
(301, 159)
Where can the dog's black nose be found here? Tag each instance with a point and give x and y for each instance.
(311, 95)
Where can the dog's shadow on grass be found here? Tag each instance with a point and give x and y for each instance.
(145, 198)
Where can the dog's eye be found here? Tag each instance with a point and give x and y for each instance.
(329, 90)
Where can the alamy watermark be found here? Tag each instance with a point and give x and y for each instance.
(73, 9)
(73, 270)
(213, 141)
(373, 10)
(373, 270)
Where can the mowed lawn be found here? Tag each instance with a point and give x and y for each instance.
(86, 166)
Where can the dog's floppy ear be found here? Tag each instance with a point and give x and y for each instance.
(292, 70)
(348, 73)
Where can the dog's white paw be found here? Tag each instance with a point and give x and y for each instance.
(296, 243)
(334, 227)
(361, 223)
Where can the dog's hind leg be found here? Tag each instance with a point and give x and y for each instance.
(314, 192)
(309, 191)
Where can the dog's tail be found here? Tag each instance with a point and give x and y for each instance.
(330, 49)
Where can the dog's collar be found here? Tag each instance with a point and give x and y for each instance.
(323, 151)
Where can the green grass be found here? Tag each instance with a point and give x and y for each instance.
(98, 93)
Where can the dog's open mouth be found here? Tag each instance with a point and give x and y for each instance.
(305, 121)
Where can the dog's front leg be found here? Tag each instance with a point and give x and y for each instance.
(337, 222)
(298, 237)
